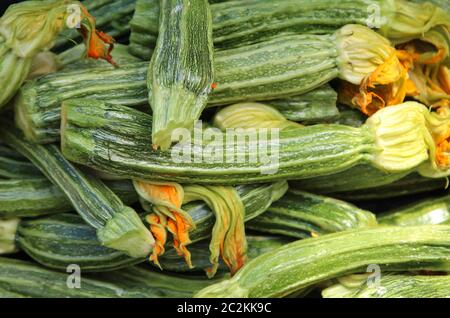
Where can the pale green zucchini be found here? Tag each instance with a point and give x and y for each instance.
(239, 22)
(427, 211)
(117, 225)
(409, 185)
(299, 265)
(30, 280)
(278, 68)
(391, 285)
(200, 253)
(180, 74)
(38, 196)
(114, 139)
(300, 214)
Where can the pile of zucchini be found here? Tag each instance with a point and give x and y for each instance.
(113, 182)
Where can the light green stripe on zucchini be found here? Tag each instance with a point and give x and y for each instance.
(391, 285)
(118, 226)
(300, 214)
(304, 263)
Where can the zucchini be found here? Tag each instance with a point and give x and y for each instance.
(257, 245)
(409, 185)
(238, 22)
(117, 225)
(14, 166)
(391, 285)
(30, 280)
(278, 68)
(22, 38)
(428, 211)
(8, 229)
(38, 196)
(180, 74)
(350, 116)
(114, 139)
(300, 214)
(298, 265)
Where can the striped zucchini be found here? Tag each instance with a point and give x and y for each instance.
(257, 245)
(270, 70)
(300, 214)
(12, 165)
(238, 22)
(25, 279)
(409, 185)
(391, 285)
(38, 196)
(180, 73)
(299, 265)
(428, 211)
(114, 139)
(118, 226)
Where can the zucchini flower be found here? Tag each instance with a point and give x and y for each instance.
(8, 229)
(375, 73)
(31, 27)
(228, 235)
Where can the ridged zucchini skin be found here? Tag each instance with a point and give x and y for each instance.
(180, 73)
(316, 106)
(409, 185)
(200, 253)
(13, 165)
(60, 240)
(256, 198)
(38, 196)
(38, 103)
(427, 211)
(359, 177)
(26, 279)
(118, 226)
(301, 214)
(392, 285)
(299, 265)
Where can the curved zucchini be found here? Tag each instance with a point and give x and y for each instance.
(118, 226)
(299, 265)
(114, 139)
(38, 196)
(300, 214)
(391, 285)
(180, 74)
(428, 211)
(25, 279)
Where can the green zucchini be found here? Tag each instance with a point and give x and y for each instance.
(30, 280)
(38, 196)
(350, 116)
(257, 245)
(12, 165)
(409, 185)
(299, 265)
(114, 139)
(391, 285)
(300, 214)
(428, 211)
(279, 68)
(180, 73)
(238, 22)
(118, 226)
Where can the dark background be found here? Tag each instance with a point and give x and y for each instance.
(4, 5)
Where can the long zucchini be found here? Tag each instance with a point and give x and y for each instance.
(114, 139)
(270, 70)
(391, 285)
(237, 22)
(14, 166)
(180, 74)
(299, 265)
(428, 211)
(409, 185)
(300, 214)
(29, 280)
(28, 28)
(118, 226)
(38, 196)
